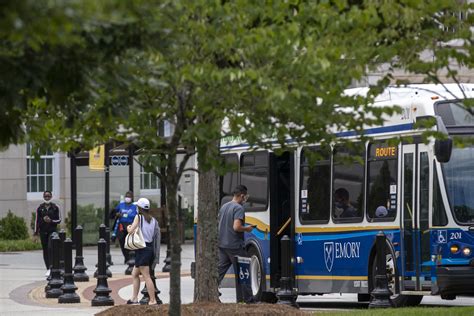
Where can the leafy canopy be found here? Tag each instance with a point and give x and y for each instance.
(273, 68)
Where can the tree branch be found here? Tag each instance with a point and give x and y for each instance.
(182, 164)
(192, 169)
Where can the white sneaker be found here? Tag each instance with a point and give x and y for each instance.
(47, 273)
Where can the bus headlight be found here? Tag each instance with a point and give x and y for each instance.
(466, 251)
(454, 248)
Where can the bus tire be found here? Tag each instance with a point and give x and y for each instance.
(397, 300)
(257, 274)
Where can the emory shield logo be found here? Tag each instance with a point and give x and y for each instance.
(329, 255)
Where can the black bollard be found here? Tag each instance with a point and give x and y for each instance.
(62, 237)
(56, 282)
(107, 239)
(102, 290)
(68, 288)
(286, 295)
(130, 262)
(381, 293)
(146, 297)
(103, 235)
(79, 267)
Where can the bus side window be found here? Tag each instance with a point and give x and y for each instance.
(230, 180)
(348, 183)
(382, 182)
(315, 186)
(254, 175)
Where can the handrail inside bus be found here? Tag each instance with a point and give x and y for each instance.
(284, 226)
(409, 210)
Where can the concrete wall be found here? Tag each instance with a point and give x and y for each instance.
(13, 181)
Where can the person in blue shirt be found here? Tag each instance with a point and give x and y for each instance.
(124, 213)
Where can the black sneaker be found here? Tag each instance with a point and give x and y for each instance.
(130, 302)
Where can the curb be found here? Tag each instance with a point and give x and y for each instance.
(33, 293)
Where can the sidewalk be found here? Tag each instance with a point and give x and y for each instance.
(23, 281)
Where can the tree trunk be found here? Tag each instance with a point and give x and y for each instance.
(205, 284)
(175, 240)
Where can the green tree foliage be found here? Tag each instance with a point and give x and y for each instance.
(13, 227)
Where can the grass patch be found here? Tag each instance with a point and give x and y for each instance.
(409, 311)
(19, 245)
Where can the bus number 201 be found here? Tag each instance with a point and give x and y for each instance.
(456, 235)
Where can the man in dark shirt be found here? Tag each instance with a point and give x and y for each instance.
(47, 218)
(231, 234)
(342, 206)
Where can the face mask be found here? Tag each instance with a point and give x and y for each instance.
(128, 200)
(47, 201)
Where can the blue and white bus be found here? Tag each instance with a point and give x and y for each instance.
(420, 195)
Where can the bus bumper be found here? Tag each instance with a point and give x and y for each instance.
(456, 280)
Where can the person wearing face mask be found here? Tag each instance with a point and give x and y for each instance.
(124, 213)
(231, 235)
(47, 219)
(342, 206)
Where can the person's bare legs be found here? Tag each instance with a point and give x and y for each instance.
(136, 283)
(149, 284)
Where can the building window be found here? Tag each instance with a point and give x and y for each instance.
(452, 21)
(39, 172)
(148, 181)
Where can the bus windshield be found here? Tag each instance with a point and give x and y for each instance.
(459, 179)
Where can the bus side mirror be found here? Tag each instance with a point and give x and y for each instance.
(443, 147)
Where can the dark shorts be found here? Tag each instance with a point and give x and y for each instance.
(144, 257)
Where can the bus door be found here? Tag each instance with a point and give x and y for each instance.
(415, 256)
(281, 209)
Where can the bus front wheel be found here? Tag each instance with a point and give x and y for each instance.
(398, 300)
(257, 276)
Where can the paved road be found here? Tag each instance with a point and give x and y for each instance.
(22, 271)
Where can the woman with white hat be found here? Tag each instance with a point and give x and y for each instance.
(150, 255)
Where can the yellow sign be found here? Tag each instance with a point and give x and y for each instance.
(96, 158)
(386, 152)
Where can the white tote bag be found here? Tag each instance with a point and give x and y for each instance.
(135, 240)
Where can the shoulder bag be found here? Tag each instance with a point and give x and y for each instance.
(134, 240)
